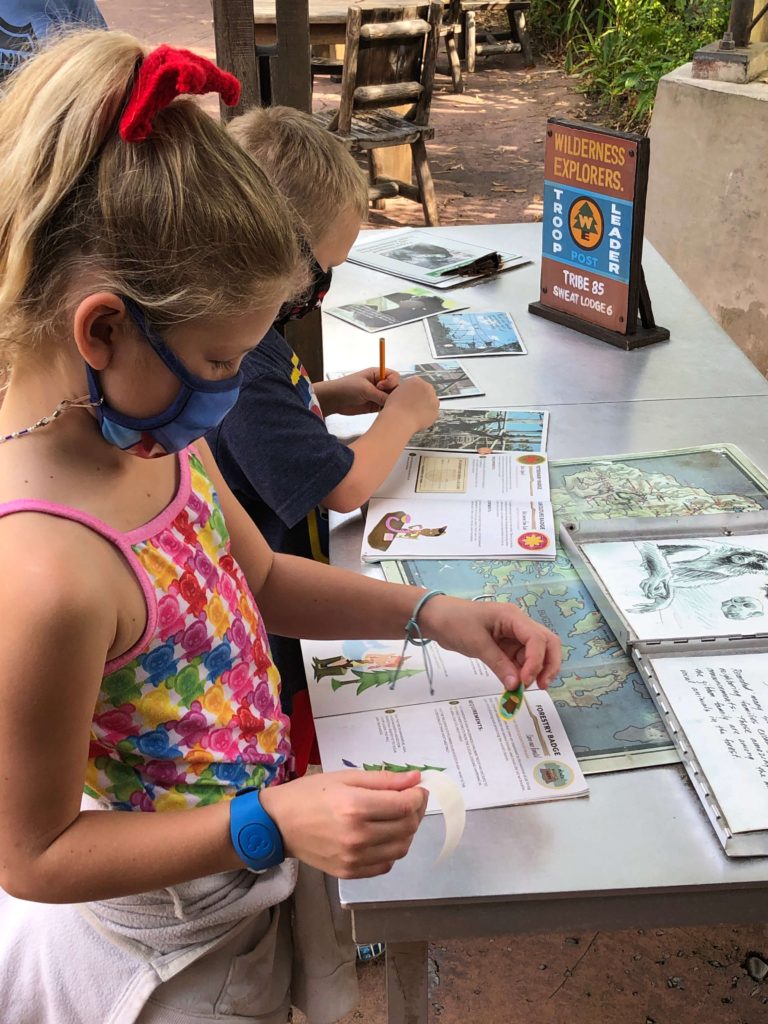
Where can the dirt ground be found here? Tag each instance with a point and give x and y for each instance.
(487, 162)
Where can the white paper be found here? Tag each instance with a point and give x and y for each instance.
(721, 703)
(678, 588)
(508, 475)
(481, 528)
(495, 761)
(448, 797)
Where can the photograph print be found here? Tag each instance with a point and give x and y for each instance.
(459, 335)
(395, 309)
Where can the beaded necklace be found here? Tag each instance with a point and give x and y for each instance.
(68, 403)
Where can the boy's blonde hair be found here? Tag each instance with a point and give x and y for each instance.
(184, 223)
(311, 167)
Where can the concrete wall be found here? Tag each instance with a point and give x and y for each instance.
(708, 199)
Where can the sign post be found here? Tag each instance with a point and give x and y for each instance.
(595, 182)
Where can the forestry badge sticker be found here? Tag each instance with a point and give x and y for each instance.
(553, 774)
(532, 540)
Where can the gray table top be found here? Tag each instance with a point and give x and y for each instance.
(700, 360)
(638, 832)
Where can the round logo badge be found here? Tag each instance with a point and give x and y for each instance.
(553, 774)
(531, 459)
(585, 222)
(533, 540)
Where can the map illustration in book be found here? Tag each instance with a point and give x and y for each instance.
(460, 505)
(431, 258)
(370, 715)
(485, 430)
(603, 701)
(692, 481)
(395, 309)
(473, 334)
(601, 698)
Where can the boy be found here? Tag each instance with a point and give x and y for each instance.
(273, 448)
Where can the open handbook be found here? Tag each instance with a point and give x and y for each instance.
(687, 597)
(462, 505)
(374, 711)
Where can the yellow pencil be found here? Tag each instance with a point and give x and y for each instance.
(382, 359)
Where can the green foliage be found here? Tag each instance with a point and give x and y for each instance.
(620, 49)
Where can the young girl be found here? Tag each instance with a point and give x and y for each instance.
(141, 251)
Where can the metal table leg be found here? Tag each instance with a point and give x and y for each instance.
(407, 982)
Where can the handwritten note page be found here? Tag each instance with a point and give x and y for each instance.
(721, 704)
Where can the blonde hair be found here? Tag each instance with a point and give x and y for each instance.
(311, 167)
(184, 223)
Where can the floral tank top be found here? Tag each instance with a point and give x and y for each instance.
(192, 712)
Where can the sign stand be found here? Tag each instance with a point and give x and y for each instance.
(594, 210)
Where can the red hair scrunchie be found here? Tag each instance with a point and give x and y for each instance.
(164, 74)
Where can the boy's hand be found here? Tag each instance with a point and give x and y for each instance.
(511, 644)
(350, 824)
(356, 393)
(415, 401)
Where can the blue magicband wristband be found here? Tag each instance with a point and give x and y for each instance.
(255, 836)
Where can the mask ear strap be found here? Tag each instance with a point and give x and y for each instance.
(166, 73)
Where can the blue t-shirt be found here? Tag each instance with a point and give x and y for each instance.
(24, 24)
(280, 460)
(276, 453)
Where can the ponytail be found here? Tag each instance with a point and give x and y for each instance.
(183, 223)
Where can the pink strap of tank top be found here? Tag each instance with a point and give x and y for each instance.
(123, 542)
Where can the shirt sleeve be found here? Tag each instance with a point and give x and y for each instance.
(273, 448)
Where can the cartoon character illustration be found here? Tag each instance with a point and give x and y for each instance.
(672, 566)
(396, 525)
(741, 608)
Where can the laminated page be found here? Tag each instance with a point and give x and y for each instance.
(721, 704)
(678, 588)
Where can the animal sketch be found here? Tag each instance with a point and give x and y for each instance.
(670, 567)
(741, 608)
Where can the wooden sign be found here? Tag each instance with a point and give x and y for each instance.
(595, 182)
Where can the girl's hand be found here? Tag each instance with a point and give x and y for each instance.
(350, 824)
(356, 393)
(510, 643)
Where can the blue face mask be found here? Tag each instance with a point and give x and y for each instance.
(198, 407)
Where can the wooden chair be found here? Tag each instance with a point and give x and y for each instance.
(461, 35)
(389, 61)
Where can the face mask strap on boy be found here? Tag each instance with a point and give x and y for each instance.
(318, 289)
(199, 405)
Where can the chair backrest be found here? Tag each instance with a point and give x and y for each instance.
(391, 50)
